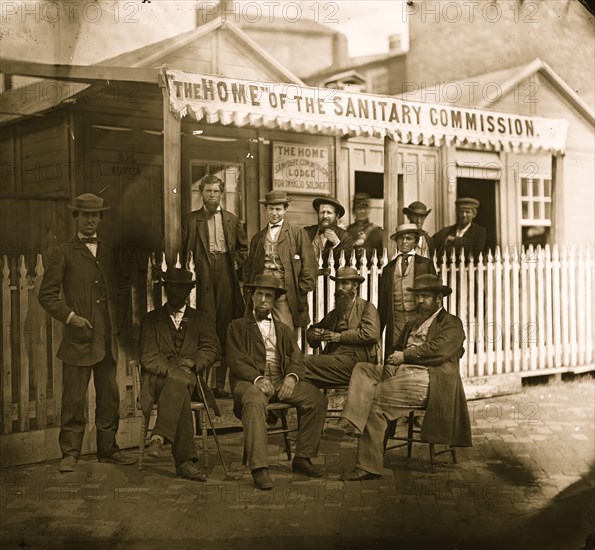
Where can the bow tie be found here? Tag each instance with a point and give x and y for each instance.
(266, 319)
(87, 240)
(276, 225)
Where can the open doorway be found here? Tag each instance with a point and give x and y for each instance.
(485, 192)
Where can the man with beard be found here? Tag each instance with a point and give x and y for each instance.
(351, 332)
(267, 366)
(416, 213)
(219, 244)
(366, 236)
(327, 236)
(396, 304)
(176, 344)
(421, 369)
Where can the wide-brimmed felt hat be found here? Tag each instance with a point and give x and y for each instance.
(329, 200)
(348, 274)
(417, 207)
(267, 281)
(467, 202)
(403, 229)
(88, 202)
(429, 283)
(360, 199)
(179, 276)
(275, 197)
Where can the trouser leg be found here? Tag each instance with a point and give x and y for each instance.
(360, 395)
(329, 370)
(173, 402)
(107, 404)
(75, 381)
(253, 403)
(183, 447)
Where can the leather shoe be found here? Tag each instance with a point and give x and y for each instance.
(189, 470)
(343, 427)
(359, 475)
(262, 479)
(221, 394)
(154, 449)
(305, 467)
(118, 458)
(68, 464)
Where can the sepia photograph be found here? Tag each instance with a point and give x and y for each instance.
(297, 274)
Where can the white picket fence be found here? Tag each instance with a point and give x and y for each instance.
(525, 311)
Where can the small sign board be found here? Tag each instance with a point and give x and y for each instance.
(300, 168)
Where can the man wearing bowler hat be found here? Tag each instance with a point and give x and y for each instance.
(176, 343)
(416, 213)
(350, 333)
(84, 289)
(421, 369)
(366, 236)
(283, 251)
(327, 236)
(465, 234)
(396, 304)
(266, 365)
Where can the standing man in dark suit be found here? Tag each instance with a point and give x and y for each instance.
(396, 304)
(464, 234)
(218, 242)
(283, 250)
(327, 236)
(84, 289)
(366, 236)
(267, 366)
(176, 343)
(416, 213)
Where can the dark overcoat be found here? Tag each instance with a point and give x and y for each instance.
(473, 241)
(195, 238)
(447, 417)
(75, 280)
(298, 260)
(346, 244)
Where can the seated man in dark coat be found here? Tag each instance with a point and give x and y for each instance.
(176, 343)
(327, 236)
(266, 365)
(422, 369)
(351, 332)
(464, 234)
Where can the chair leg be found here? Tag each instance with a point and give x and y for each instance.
(410, 426)
(244, 457)
(285, 435)
(432, 457)
(205, 437)
(143, 437)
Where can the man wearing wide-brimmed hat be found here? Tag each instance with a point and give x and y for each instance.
(266, 365)
(84, 289)
(465, 234)
(350, 334)
(327, 236)
(366, 236)
(396, 304)
(416, 213)
(176, 344)
(283, 250)
(421, 369)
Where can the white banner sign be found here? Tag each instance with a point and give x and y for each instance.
(326, 111)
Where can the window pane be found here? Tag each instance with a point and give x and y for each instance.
(547, 188)
(524, 185)
(525, 210)
(548, 211)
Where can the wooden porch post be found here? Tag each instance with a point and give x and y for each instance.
(391, 206)
(172, 195)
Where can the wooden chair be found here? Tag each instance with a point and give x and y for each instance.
(333, 393)
(197, 408)
(280, 409)
(408, 441)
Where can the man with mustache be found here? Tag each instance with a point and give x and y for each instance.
(350, 333)
(421, 369)
(416, 213)
(327, 236)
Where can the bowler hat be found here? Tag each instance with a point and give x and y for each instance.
(429, 283)
(88, 202)
(360, 199)
(417, 208)
(179, 276)
(267, 281)
(467, 202)
(275, 197)
(403, 229)
(329, 200)
(348, 274)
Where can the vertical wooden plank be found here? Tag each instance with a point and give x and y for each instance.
(499, 327)
(160, 280)
(390, 192)
(506, 306)
(7, 327)
(524, 344)
(319, 292)
(23, 294)
(532, 329)
(472, 322)
(330, 284)
(39, 349)
(453, 303)
(516, 312)
(172, 176)
(549, 314)
(463, 301)
(539, 260)
(556, 307)
(149, 282)
(589, 305)
(564, 307)
(365, 273)
(192, 267)
(489, 327)
(572, 298)
(581, 306)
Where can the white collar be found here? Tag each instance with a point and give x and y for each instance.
(410, 253)
(182, 310)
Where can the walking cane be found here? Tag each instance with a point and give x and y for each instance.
(204, 400)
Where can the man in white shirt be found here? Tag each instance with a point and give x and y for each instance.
(266, 365)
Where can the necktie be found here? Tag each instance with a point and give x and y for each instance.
(88, 240)
(275, 226)
(404, 262)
